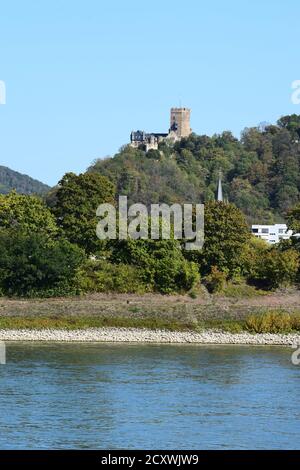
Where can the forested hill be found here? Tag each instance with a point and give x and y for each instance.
(261, 170)
(24, 184)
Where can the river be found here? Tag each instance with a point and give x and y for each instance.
(129, 396)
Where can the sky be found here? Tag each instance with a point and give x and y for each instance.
(81, 75)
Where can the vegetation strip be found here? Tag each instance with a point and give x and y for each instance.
(268, 322)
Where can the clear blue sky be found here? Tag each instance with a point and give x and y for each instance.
(80, 75)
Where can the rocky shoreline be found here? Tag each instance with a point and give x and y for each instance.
(135, 335)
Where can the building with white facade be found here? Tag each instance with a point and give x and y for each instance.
(272, 233)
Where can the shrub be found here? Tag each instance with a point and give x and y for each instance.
(193, 294)
(242, 291)
(270, 268)
(295, 322)
(161, 261)
(175, 275)
(102, 276)
(273, 322)
(216, 280)
(32, 265)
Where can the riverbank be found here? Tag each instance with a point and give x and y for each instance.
(154, 318)
(136, 335)
(176, 307)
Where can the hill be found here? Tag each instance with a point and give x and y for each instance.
(10, 179)
(261, 170)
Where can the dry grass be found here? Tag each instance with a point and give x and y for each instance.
(146, 311)
(267, 322)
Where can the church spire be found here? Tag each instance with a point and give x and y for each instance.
(220, 191)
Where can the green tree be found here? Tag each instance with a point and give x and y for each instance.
(292, 123)
(34, 265)
(276, 268)
(75, 205)
(26, 213)
(163, 265)
(293, 219)
(225, 236)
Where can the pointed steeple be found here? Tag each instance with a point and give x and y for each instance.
(220, 191)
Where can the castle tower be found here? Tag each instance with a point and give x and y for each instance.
(180, 122)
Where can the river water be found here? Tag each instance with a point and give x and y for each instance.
(129, 396)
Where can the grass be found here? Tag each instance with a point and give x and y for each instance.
(273, 322)
(241, 291)
(266, 322)
(74, 323)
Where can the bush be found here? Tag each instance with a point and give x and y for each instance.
(162, 264)
(242, 291)
(175, 275)
(193, 294)
(33, 265)
(215, 281)
(102, 276)
(273, 322)
(270, 268)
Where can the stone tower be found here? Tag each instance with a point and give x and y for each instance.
(180, 122)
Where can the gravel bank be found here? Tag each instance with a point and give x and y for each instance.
(148, 336)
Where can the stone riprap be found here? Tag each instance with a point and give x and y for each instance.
(135, 335)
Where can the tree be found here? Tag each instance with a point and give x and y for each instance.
(292, 123)
(32, 264)
(75, 206)
(161, 261)
(26, 213)
(276, 268)
(225, 235)
(293, 219)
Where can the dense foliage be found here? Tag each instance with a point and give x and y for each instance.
(225, 236)
(23, 184)
(33, 265)
(293, 218)
(75, 204)
(162, 263)
(26, 213)
(270, 267)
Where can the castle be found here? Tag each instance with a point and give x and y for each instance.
(179, 128)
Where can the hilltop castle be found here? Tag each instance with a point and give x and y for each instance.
(179, 128)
